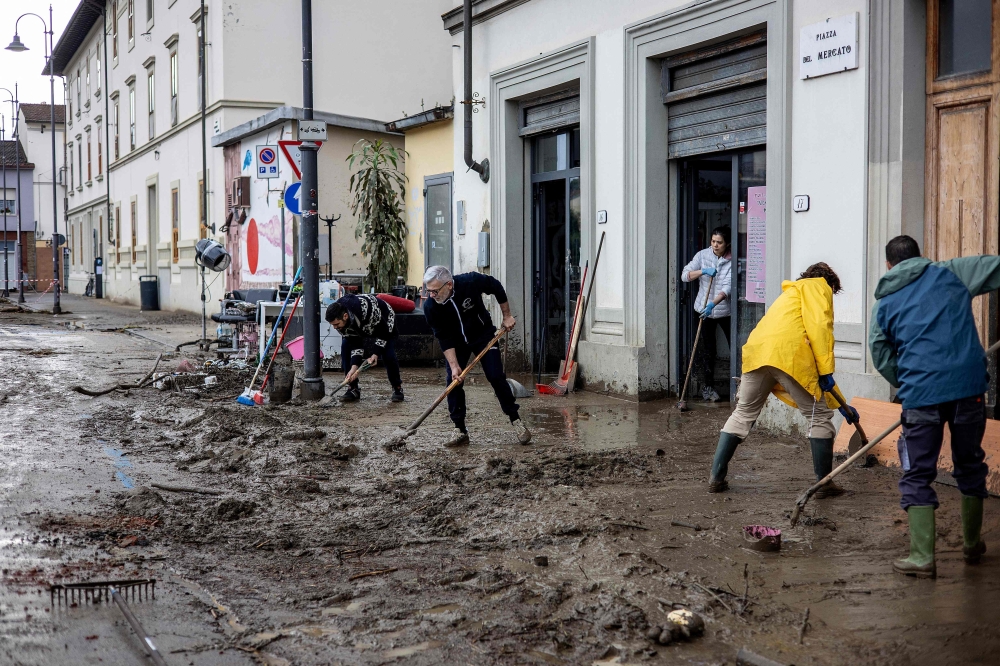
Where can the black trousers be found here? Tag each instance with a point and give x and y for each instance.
(492, 365)
(707, 346)
(386, 358)
(920, 446)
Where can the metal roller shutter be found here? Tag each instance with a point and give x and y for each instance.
(548, 113)
(716, 97)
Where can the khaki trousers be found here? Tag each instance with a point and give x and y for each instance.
(754, 388)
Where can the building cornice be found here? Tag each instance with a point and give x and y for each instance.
(284, 113)
(482, 10)
(102, 200)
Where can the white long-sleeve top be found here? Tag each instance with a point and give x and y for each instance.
(722, 284)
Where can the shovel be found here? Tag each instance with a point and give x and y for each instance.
(857, 439)
(399, 437)
(361, 368)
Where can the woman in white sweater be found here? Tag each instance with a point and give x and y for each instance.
(713, 264)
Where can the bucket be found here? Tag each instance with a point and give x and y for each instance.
(297, 348)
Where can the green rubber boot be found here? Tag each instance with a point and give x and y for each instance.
(920, 563)
(972, 524)
(822, 452)
(724, 452)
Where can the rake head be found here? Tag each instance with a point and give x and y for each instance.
(100, 591)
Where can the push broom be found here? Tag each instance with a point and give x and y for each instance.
(561, 386)
(682, 403)
(246, 398)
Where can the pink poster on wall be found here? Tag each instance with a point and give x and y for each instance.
(756, 244)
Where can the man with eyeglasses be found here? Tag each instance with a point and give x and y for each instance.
(462, 325)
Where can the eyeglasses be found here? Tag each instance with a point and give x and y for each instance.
(435, 292)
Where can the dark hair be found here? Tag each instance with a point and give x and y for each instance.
(900, 249)
(823, 270)
(723, 231)
(335, 311)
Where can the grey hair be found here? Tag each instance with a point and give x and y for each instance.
(439, 273)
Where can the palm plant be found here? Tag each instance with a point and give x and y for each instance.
(378, 192)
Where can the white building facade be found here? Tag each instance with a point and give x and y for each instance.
(802, 125)
(152, 117)
(34, 128)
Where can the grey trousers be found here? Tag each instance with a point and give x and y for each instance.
(752, 396)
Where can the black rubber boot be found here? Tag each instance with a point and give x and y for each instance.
(724, 452)
(351, 395)
(822, 452)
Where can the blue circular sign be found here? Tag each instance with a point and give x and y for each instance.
(267, 156)
(292, 198)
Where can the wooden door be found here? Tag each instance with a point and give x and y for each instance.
(963, 124)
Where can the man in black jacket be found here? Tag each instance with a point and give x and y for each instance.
(361, 318)
(463, 326)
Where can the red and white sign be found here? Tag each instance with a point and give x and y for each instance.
(267, 161)
(294, 155)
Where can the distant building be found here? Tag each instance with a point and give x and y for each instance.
(34, 129)
(16, 201)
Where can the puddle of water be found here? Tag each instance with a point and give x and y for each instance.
(121, 463)
(341, 610)
(605, 426)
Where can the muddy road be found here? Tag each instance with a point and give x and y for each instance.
(322, 547)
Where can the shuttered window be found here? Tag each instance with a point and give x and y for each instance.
(549, 113)
(716, 97)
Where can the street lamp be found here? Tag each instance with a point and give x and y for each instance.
(18, 46)
(19, 253)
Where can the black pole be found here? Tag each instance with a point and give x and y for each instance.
(99, 279)
(482, 169)
(312, 381)
(56, 307)
(204, 168)
(329, 249)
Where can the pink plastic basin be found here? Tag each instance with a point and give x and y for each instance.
(297, 348)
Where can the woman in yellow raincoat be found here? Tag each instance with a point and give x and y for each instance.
(789, 353)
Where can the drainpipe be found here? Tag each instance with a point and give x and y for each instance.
(483, 169)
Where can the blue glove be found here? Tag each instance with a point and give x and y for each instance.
(850, 414)
(708, 309)
(709, 271)
(826, 382)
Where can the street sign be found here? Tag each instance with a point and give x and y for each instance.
(312, 130)
(292, 199)
(267, 161)
(294, 155)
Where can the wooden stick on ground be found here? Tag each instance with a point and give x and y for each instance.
(186, 489)
(119, 387)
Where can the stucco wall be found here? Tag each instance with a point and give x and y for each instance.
(429, 151)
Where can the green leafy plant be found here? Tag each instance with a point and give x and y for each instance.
(378, 191)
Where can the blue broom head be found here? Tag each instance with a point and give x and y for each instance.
(245, 400)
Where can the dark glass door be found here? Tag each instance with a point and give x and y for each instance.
(556, 266)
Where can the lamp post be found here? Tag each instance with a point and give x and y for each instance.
(3, 165)
(17, 46)
(19, 252)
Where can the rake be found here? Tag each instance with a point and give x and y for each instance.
(114, 590)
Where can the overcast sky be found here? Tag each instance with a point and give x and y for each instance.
(25, 68)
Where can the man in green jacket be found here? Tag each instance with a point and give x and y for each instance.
(924, 341)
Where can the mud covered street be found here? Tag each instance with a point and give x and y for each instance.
(316, 545)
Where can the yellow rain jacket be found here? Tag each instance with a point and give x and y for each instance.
(796, 336)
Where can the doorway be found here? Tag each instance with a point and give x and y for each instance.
(718, 190)
(555, 183)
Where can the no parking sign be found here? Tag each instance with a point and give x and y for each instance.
(267, 161)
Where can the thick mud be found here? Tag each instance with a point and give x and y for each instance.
(323, 547)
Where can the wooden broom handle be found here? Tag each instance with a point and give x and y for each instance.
(457, 380)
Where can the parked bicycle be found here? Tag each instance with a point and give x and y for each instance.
(89, 290)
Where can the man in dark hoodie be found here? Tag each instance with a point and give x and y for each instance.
(461, 323)
(364, 318)
(924, 341)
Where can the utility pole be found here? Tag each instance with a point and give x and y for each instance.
(6, 262)
(312, 382)
(203, 37)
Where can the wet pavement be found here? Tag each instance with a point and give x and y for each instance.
(324, 547)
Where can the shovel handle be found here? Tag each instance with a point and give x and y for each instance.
(801, 502)
(694, 347)
(457, 380)
(364, 366)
